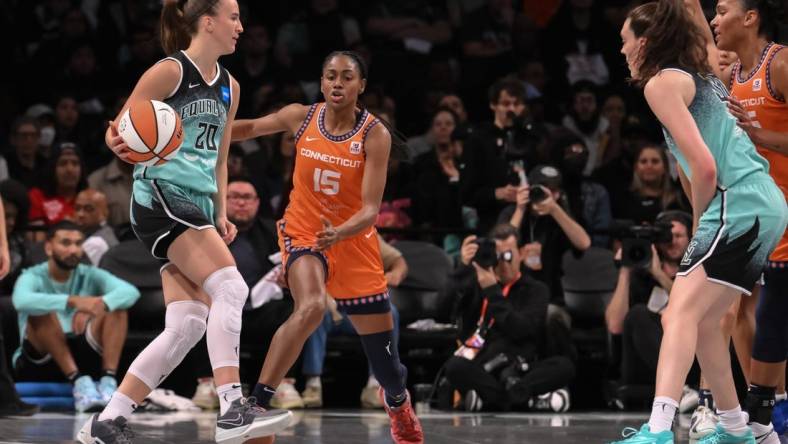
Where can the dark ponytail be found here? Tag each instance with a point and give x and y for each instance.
(399, 145)
(770, 12)
(672, 38)
(179, 20)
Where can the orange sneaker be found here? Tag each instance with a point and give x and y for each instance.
(405, 425)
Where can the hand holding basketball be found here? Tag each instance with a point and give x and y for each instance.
(116, 143)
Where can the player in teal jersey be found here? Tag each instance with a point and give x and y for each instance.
(739, 214)
(178, 212)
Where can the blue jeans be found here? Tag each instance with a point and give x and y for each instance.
(315, 346)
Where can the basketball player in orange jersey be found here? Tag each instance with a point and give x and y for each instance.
(758, 84)
(178, 211)
(328, 242)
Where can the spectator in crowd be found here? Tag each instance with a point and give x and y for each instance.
(456, 104)
(614, 110)
(337, 323)
(546, 227)
(496, 152)
(502, 314)
(71, 312)
(114, 181)
(90, 213)
(437, 202)
(141, 50)
(63, 178)
(279, 172)
(10, 402)
(255, 66)
(652, 190)
(639, 298)
(586, 198)
(45, 116)
(16, 205)
(586, 120)
(303, 41)
(255, 250)
(25, 160)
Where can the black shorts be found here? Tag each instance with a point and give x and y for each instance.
(31, 366)
(160, 217)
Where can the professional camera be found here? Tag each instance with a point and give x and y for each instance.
(637, 240)
(537, 194)
(486, 256)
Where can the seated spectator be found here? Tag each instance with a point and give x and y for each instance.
(10, 402)
(90, 213)
(586, 198)
(455, 103)
(114, 180)
(62, 179)
(639, 298)
(25, 159)
(547, 228)
(68, 313)
(502, 314)
(337, 323)
(437, 201)
(652, 190)
(255, 250)
(585, 120)
(17, 205)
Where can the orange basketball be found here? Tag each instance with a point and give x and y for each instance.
(153, 132)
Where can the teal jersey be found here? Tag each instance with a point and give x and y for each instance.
(733, 151)
(203, 107)
(36, 294)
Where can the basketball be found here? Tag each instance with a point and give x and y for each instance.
(153, 132)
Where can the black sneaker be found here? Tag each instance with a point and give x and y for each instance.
(109, 431)
(245, 420)
(18, 408)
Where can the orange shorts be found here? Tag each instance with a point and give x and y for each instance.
(353, 266)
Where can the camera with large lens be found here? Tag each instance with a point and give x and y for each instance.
(537, 194)
(486, 256)
(636, 241)
(522, 138)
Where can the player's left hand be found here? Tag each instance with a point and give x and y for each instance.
(227, 230)
(743, 119)
(328, 236)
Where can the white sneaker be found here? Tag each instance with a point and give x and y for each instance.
(205, 395)
(286, 396)
(312, 397)
(689, 399)
(764, 434)
(703, 422)
(556, 401)
(167, 400)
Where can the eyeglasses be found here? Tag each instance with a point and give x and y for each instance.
(242, 197)
(505, 255)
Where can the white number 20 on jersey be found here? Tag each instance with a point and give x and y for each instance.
(326, 181)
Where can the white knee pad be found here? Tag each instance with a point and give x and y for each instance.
(228, 292)
(184, 326)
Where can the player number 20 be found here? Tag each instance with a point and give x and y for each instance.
(326, 181)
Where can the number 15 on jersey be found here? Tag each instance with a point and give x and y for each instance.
(326, 181)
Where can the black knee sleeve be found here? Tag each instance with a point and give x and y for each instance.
(381, 349)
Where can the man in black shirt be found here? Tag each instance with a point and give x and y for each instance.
(502, 315)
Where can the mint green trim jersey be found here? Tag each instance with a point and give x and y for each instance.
(732, 149)
(203, 108)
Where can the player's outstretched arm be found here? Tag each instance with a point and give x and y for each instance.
(289, 118)
(668, 94)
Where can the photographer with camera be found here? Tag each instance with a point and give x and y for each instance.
(501, 314)
(497, 153)
(546, 226)
(644, 282)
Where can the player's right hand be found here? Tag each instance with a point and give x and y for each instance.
(116, 143)
(468, 249)
(90, 304)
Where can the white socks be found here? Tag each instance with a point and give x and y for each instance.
(314, 382)
(119, 405)
(732, 420)
(227, 394)
(662, 413)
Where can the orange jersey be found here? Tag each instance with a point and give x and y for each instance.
(768, 111)
(327, 180)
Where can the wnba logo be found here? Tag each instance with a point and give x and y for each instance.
(355, 147)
